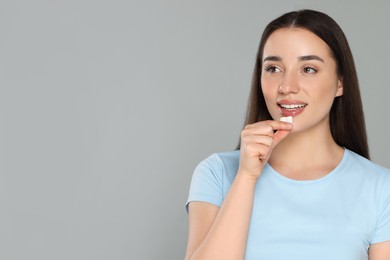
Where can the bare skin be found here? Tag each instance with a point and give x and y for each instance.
(221, 233)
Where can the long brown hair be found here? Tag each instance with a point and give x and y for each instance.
(347, 123)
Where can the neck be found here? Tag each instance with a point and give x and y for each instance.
(306, 155)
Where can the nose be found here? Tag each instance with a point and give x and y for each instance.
(288, 84)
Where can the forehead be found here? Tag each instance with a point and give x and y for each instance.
(295, 42)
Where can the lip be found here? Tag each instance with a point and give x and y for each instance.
(291, 112)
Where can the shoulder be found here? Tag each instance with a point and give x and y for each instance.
(360, 164)
(213, 176)
(221, 167)
(369, 177)
(229, 159)
(221, 161)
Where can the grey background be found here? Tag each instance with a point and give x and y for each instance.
(106, 107)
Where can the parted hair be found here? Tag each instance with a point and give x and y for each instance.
(347, 123)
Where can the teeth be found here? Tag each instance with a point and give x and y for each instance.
(292, 106)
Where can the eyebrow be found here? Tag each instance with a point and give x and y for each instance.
(272, 58)
(300, 58)
(310, 57)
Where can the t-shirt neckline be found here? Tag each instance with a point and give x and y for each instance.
(331, 174)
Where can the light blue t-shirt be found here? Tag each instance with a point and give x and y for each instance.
(335, 217)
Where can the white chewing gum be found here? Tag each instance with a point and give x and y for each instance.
(288, 119)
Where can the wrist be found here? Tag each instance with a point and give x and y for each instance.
(247, 176)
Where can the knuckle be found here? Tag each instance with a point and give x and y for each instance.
(248, 126)
(245, 130)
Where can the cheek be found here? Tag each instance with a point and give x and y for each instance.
(268, 88)
(327, 91)
(270, 94)
(323, 97)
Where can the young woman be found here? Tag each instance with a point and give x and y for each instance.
(300, 190)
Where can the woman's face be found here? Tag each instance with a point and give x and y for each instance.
(299, 78)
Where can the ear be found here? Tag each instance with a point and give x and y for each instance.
(340, 87)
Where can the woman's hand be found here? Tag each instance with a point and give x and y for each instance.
(257, 142)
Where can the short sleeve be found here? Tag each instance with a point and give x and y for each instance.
(382, 231)
(207, 182)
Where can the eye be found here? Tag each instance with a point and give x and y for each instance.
(309, 70)
(272, 69)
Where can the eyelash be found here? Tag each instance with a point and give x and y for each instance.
(272, 69)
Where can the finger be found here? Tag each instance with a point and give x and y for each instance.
(279, 125)
(259, 130)
(262, 139)
(275, 130)
(275, 125)
(255, 150)
(251, 143)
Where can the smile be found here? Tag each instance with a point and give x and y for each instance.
(292, 106)
(291, 109)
